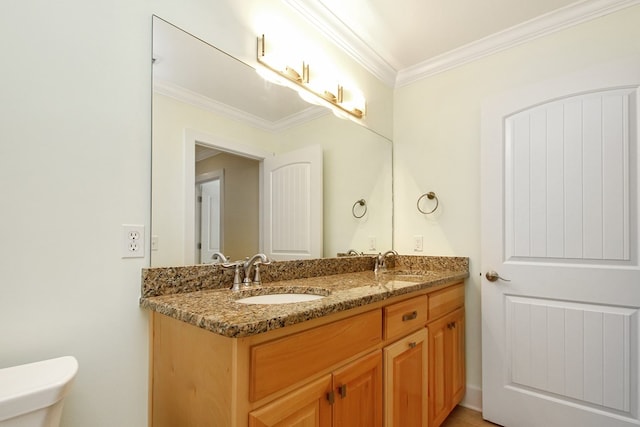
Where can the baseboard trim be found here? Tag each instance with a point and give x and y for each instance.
(473, 398)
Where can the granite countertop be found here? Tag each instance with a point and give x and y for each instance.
(216, 310)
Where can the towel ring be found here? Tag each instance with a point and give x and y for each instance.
(430, 195)
(360, 202)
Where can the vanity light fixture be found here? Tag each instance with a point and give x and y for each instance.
(333, 98)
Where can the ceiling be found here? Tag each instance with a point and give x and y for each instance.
(401, 41)
(198, 73)
(406, 32)
(398, 41)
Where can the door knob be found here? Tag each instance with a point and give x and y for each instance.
(492, 276)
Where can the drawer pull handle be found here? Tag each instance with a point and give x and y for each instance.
(331, 397)
(343, 390)
(413, 344)
(410, 316)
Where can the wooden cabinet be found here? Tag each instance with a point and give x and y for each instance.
(402, 318)
(306, 407)
(350, 397)
(358, 388)
(279, 363)
(425, 371)
(405, 370)
(326, 372)
(446, 365)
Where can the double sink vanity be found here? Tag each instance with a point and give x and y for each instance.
(371, 348)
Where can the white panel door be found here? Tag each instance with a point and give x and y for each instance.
(293, 204)
(210, 219)
(560, 328)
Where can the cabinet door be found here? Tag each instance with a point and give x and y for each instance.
(438, 366)
(446, 365)
(306, 407)
(405, 364)
(458, 372)
(358, 388)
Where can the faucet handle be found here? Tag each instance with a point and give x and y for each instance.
(378, 262)
(229, 264)
(256, 277)
(236, 275)
(219, 256)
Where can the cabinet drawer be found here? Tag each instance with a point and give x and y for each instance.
(446, 300)
(405, 317)
(287, 360)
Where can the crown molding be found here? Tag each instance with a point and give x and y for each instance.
(206, 154)
(340, 34)
(185, 95)
(543, 25)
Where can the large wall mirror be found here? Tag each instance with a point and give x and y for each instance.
(218, 127)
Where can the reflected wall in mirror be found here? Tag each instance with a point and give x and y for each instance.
(216, 120)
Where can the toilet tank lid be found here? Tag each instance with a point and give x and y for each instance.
(33, 386)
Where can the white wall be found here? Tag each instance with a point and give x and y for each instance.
(75, 120)
(74, 166)
(437, 141)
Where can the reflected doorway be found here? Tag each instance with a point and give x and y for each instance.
(228, 218)
(209, 220)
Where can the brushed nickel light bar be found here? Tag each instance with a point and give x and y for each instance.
(333, 99)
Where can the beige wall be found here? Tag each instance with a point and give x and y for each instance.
(170, 119)
(437, 140)
(75, 164)
(241, 208)
(356, 165)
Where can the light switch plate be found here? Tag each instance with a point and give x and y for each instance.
(417, 243)
(372, 243)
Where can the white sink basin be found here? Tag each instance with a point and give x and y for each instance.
(279, 298)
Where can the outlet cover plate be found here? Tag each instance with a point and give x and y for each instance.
(132, 241)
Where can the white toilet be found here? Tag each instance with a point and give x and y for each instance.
(32, 395)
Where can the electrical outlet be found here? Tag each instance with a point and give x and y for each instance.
(372, 243)
(132, 241)
(417, 243)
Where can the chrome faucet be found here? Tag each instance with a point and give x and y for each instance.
(236, 274)
(256, 260)
(353, 252)
(381, 260)
(219, 256)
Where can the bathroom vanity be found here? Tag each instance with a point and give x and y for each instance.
(386, 346)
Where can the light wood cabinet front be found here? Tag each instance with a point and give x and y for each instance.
(446, 365)
(285, 361)
(458, 371)
(405, 365)
(305, 407)
(404, 317)
(446, 300)
(325, 373)
(350, 397)
(358, 388)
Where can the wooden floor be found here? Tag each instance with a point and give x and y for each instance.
(464, 417)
